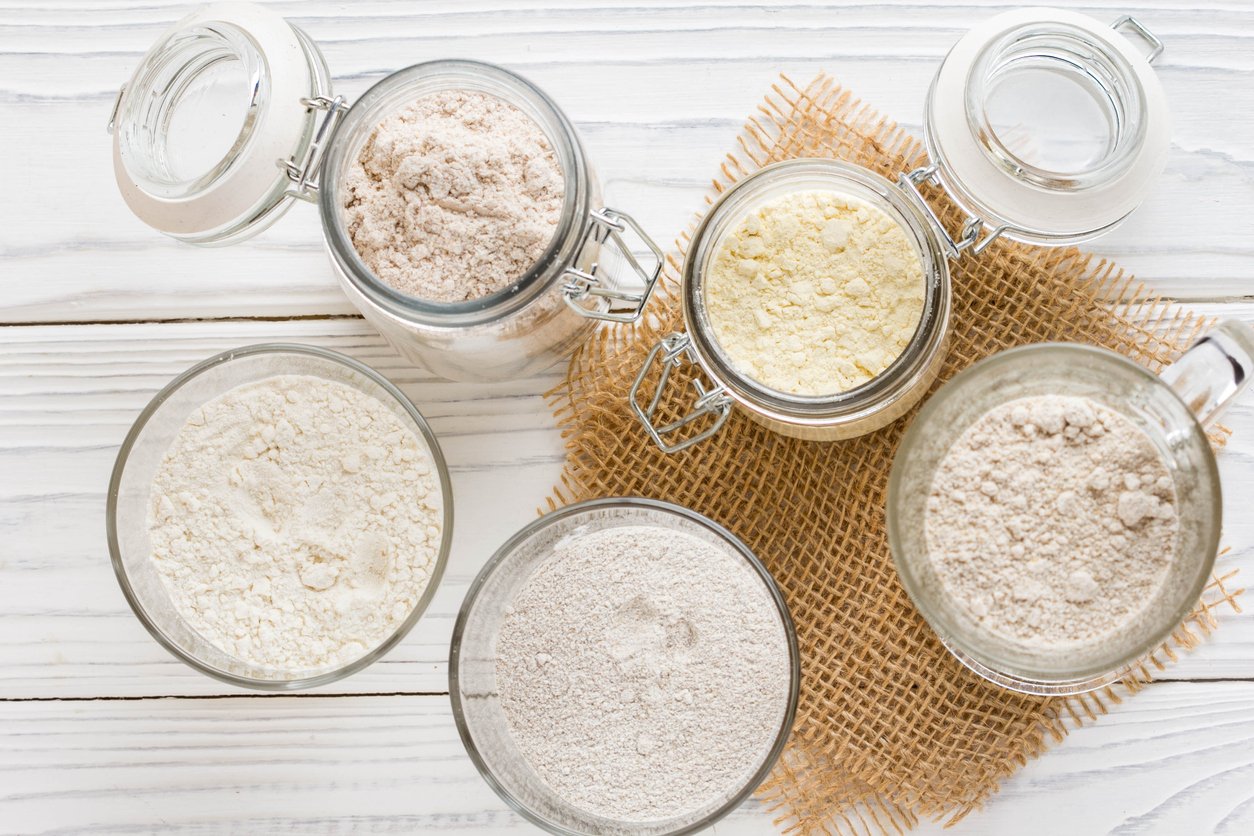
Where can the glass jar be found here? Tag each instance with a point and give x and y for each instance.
(1043, 125)
(1173, 410)
(230, 119)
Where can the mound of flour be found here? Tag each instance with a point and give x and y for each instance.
(454, 196)
(644, 672)
(295, 522)
(1052, 522)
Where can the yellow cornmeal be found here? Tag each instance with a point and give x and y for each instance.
(814, 293)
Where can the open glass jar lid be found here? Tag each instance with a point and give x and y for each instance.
(1046, 125)
(220, 128)
(1042, 125)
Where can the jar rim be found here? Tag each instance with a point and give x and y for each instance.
(378, 102)
(885, 388)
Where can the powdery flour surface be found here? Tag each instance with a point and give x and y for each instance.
(644, 672)
(814, 293)
(454, 197)
(295, 522)
(1052, 521)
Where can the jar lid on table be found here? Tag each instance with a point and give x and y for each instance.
(221, 126)
(1046, 126)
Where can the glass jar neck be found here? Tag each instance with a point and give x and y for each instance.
(404, 87)
(1052, 105)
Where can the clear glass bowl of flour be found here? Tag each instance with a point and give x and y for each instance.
(141, 457)
(475, 692)
(1173, 411)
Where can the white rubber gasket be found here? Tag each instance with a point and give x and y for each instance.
(1003, 199)
(281, 125)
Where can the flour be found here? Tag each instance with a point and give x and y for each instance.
(814, 293)
(454, 197)
(644, 672)
(295, 522)
(1052, 521)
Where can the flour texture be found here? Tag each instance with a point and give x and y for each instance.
(1052, 521)
(295, 522)
(454, 197)
(644, 672)
(814, 293)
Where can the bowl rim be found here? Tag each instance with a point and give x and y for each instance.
(119, 467)
(538, 524)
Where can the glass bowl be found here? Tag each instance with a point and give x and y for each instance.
(141, 454)
(472, 666)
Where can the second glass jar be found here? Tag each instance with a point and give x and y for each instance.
(551, 309)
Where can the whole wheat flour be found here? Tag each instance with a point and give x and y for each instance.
(814, 293)
(295, 522)
(1052, 521)
(454, 197)
(644, 672)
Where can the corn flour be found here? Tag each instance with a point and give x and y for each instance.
(814, 293)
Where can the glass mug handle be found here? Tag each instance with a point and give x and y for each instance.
(1216, 369)
(606, 226)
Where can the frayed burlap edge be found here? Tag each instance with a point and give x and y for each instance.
(835, 776)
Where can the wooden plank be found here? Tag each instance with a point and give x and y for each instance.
(658, 90)
(1174, 760)
(69, 393)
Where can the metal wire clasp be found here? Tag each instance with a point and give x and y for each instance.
(606, 226)
(113, 114)
(676, 350)
(972, 226)
(305, 173)
(1156, 44)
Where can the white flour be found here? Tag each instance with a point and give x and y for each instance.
(1052, 521)
(644, 672)
(295, 522)
(454, 197)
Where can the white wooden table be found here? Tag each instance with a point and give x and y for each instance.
(101, 730)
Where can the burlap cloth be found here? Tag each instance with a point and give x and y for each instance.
(890, 727)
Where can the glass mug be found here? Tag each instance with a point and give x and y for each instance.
(1173, 409)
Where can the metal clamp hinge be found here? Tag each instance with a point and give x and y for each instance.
(305, 172)
(973, 227)
(607, 226)
(1156, 44)
(674, 351)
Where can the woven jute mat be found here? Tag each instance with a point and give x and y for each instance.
(890, 727)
